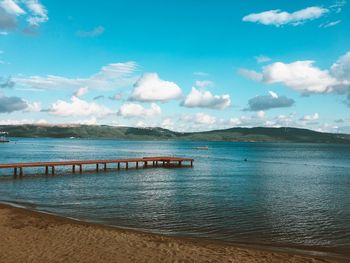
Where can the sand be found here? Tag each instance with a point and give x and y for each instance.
(27, 236)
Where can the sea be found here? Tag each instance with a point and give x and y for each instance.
(285, 196)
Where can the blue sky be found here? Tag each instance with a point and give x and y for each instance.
(183, 65)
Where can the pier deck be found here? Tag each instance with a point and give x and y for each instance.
(158, 161)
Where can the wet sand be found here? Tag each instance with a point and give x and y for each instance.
(27, 236)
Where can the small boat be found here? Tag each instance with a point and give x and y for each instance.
(202, 148)
(3, 137)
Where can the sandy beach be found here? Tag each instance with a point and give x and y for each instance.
(28, 236)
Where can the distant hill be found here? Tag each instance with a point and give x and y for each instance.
(127, 133)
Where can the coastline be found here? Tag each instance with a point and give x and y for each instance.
(42, 237)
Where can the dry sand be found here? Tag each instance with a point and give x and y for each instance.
(27, 236)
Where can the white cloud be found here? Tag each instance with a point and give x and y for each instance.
(141, 124)
(204, 83)
(93, 33)
(33, 10)
(78, 107)
(262, 59)
(199, 118)
(21, 121)
(202, 118)
(110, 76)
(137, 110)
(11, 7)
(306, 78)
(151, 88)
(168, 123)
(273, 94)
(260, 114)
(302, 76)
(38, 12)
(81, 92)
(250, 74)
(33, 107)
(341, 68)
(313, 117)
(91, 121)
(330, 24)
(205, 99)
(279, 18)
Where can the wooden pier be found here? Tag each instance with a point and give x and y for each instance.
(145, 162)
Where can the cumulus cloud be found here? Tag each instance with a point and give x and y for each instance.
(204, 83)
(250, 74)
(110, 76)
(81, 92)
(11, 7)
(205, 99)
(91, 121)
(151, 88)
(130, 110)
(7, 83)
(302, 76)
(33, 11)
(306, 78)
(341, 68)
(78, 107)
(22, 121)
(38, 12)
(93, 33)
(33, 107)
(278, 17)
(191, 122)
(7, 21)
(313, 117)
(168, 123)
(271, 101)
(11, 104)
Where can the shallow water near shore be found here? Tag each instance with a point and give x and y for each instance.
(284, 195)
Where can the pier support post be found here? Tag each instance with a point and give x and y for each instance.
(191, 163)
(153, 163)
(145, 164)
(97, 167)
(73, 168)
(52, 170)
(137, 165)
(105, 166)
(80, 168)
(46, 170)
(157, 163)
(15, 172)
(163, 163)
(180, 163)
(126, 165)
(118, 166)
(20, 172)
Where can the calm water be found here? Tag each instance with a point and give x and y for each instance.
(288, 195)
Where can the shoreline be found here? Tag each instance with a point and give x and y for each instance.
(44, 237)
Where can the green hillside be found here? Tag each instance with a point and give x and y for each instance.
(128, 133)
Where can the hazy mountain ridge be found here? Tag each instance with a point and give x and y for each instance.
(129, 133)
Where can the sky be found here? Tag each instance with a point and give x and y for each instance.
(184, 65)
